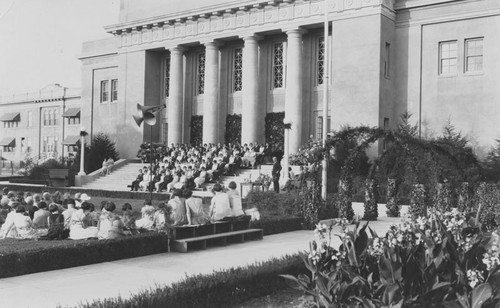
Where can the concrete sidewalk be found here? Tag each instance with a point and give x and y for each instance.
(71, 286)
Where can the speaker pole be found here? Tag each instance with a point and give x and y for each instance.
(150, 162)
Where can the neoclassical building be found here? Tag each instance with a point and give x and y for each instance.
(438, 60)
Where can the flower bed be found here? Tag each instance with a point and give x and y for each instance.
(441, 261)
(219, 289)
(20, 257)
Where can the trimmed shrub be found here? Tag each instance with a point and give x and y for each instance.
(219, 289)
(442, 199)
(309, 208)
(371, 199)
(417, 201)
(282, 204)
(277, 224)
(392, 203)
(25, 257)
(345, 199)
(487, 205)
(464, 197)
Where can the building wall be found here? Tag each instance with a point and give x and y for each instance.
(32, 130)
(361, 91)
(467, 100)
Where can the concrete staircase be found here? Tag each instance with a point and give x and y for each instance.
(124, 175)
(118, 179)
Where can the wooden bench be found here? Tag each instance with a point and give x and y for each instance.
(220, 239)
(235, 224)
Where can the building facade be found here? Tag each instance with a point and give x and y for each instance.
(438, 60)
(44, 124)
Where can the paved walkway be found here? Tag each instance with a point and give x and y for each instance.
(68, 287)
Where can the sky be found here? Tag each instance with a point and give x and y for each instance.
(41, 40)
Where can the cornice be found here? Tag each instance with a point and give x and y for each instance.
(229, 21)
(411, 4)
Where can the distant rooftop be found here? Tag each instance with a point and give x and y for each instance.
(51, 92)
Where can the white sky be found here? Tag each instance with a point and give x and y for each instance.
(40, 40)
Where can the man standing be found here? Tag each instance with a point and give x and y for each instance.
(276, 174)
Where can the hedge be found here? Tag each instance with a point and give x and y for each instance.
(220, 289)
(90, 192)
(277, 224)
(20, 257)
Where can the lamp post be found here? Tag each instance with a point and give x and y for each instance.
(324, 164)
(83, 133)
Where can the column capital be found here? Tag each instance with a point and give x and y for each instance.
(176, 49)
(251, 37)
(294, 31)
(212, 43)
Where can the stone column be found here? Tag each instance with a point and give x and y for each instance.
(294, 84)
(176, 97)
(211, 95)
(250, 113)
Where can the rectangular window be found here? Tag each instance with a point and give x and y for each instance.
(49, 144)
(448, 58)
(166, 77)
(201, 73)
(10, 124)
(320, 60)
(238, 70)
(387, 60)
(474, 55)
(73, 120)
(278, 65)
(30, 118)
(114, 90)
(319, 127)
(9, 149)
(104, 91)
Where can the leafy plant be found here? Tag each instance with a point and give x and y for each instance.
(274, 129)
(444, 261)
(371, 199)
(392, 203)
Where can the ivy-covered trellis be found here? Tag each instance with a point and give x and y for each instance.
(407, 157)
(196, 130)
(233, 129)
(274, 129)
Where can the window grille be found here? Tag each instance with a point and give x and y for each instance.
(238, 70)
(278, 65)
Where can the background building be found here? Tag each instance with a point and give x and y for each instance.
(438, 60)
(44, 124)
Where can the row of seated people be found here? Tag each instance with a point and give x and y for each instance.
(60, 221)
(191, 167)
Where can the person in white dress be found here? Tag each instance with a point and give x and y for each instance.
(79, 228)
(235, 200)
(24, 225)
(147, 219)
(219, 206)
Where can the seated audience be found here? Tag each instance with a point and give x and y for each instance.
(219, 206)
(177, 207)
(117, 228)
(69, 212)
(24, 225)
(195, 213)
(128, 217)
(235, 200)
(56, 224)
(160, 219)
(9, 223)
(147, 218)
(105, 220)
(78, 226)
(41, 216)
(135, 184)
